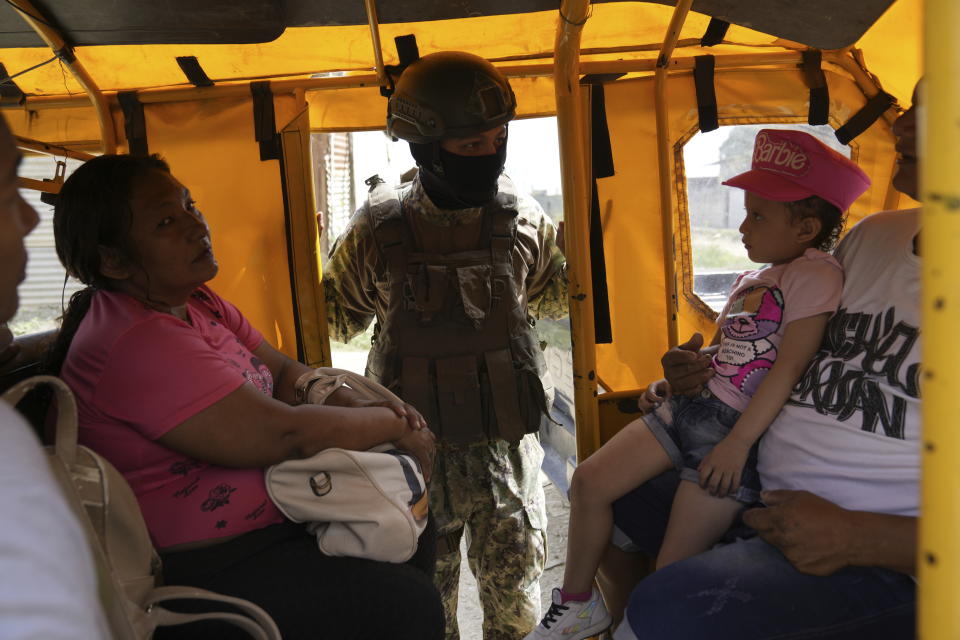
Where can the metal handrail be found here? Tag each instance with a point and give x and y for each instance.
(65, 52)
(576, 210)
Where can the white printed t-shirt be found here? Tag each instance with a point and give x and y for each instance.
(760, 307)
(850, 432)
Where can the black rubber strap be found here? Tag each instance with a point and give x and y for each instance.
(602, 326)
(706, 94)
(602, 163)
(134, 124)
(602, 152)
(716, 31)
(407, 52)
(264, 128)
(194, 72)
(861, 120)
(817, 83)
(407, 49)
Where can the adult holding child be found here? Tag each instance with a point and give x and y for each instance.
(190, 403)
(835, 549)
(797, 192)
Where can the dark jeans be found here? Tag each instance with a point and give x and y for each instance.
(310, 595)
(746, 589)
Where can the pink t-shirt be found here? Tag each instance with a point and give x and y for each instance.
(757, 313)
(138, 373)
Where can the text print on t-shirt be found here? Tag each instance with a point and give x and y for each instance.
(746, 354)
(833, 386)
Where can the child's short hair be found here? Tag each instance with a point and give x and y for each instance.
(830, 217)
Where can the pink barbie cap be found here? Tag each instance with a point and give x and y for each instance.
(793, 165)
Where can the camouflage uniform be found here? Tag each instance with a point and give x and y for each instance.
(488, 488)
(491, 491)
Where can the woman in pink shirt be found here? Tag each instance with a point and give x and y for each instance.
(190, 403)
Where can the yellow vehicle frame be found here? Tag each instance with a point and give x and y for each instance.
(298, 100)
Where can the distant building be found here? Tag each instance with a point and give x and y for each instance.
(552, 204)
(712, 205)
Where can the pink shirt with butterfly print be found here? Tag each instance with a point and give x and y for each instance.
(760, 307)
(138, 373)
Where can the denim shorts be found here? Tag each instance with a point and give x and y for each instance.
(688, 427)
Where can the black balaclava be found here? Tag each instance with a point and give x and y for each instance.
(458, 182)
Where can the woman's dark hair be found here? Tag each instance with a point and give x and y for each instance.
(830, 217)
(93, 211)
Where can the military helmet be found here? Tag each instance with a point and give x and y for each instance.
(449, 94)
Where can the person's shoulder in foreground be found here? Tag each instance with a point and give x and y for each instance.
(49, 587)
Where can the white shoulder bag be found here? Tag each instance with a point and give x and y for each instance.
(367, 504)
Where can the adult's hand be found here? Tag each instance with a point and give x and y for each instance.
(815, 535)
(414, 418)
(423, 445)
(654, 395)
(685, 368)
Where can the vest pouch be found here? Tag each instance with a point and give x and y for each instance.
(459, 399)
(417, 388)
(533, 405)
(475, 292)
(377, 362)
(504, 396)
(429, 286)
(531, 371)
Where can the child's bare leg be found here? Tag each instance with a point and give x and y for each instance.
(627, 460)
(697, 521)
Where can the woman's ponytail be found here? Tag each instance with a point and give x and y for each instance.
(69, 323)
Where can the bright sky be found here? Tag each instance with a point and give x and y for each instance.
(533, 157)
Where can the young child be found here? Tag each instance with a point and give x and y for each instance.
(772, 324)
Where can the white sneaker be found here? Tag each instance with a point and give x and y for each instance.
(572, 620)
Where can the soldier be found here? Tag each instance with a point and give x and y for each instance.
(455, 265)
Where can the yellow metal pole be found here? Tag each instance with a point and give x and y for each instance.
(576, 212)
(43, 148)
(382, 78)
(60, 47)
(664, 164)
(939, 559)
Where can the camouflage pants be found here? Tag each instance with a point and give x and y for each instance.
(491, 491)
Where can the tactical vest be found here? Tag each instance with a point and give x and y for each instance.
(455, 342)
